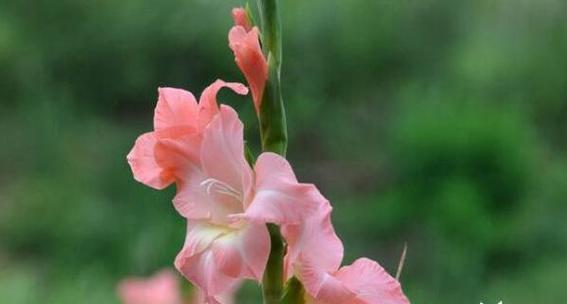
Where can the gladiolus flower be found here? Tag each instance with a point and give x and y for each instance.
(200, 147)
(179, 118)
(314, 256)
(228, 203)
(363, 282)
(314, 240)
(162, 288)
(244, 42)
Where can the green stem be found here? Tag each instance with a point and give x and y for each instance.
(273, 132)
(271, 28)
(272, 283)
(273, 126)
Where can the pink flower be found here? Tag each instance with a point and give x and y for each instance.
(314, 255)
(200, 147)
(228, 203)
(363, 282)
(179, 118)
(313, 240)
(244, 42)
(162, 288)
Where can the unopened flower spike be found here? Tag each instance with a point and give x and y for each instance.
(244, 40)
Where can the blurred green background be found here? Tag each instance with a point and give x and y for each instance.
(437, 123)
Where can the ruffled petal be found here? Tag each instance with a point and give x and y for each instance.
(176, 108)
(200, 236)
(222, 154)
(195, 198)
(144, 165)
(159, 157)
(179, 155)
(202, 271)
(323, 288)
(250, 59)
(279, 198)
(314, 241)
(214, 180)
(208, 105)
(198, 199)
(197, 263)
(216, 258)
(371, 283)
(244, 253)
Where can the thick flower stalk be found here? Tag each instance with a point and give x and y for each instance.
(250, 219)
(263, 75)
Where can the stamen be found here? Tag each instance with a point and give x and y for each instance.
(213, 184)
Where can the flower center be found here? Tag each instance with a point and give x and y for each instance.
(217, 186)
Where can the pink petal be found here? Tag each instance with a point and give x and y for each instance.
(250, 59)
(195, 200)
(216, 258)
(208, 105)
(175, 108)
(201, 270)
(222, 154)
(314, 242)
(200, 236)
(175, 120)
(180, 154)
(244, 254)
(162, 288)
(241, 18)
(177, 152)
(214, 181)
(226, 298)
(279, 198)
(371, 283)
(196, 261)
(201, 298)
(143, 163)
(322, 288)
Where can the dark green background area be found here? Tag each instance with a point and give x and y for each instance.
(442, 124)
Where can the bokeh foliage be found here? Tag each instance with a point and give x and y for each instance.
(436, 123)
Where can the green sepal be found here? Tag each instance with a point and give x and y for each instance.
(272, 282)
